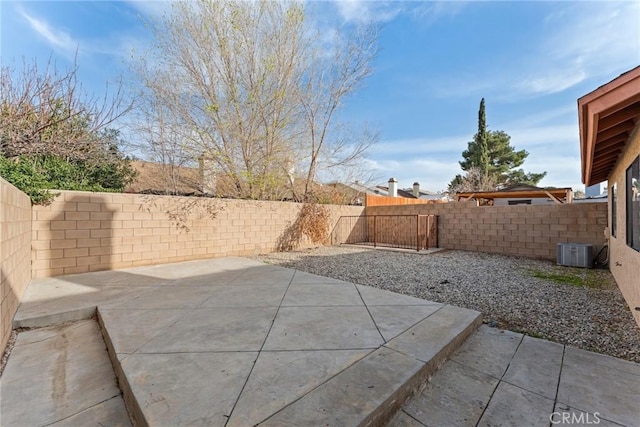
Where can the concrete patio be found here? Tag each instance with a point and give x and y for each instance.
(229, 342)
(233, 342)
(502, 378)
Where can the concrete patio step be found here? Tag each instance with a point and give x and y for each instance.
(372, 390)
(366, 393)
(232, 342)
(505, 378)
(61, 376)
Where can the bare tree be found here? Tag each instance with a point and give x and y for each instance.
(334, 73)
(252, 86)
(46, 112)
(163, 143)
(473, 180)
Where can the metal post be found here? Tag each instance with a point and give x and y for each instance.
(418, 233)
(427, 224)
(375, 231)
(426, 232)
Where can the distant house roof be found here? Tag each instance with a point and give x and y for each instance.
(401, 193)
(521, 191)
(425, 194)
(383, 190)
(378, 190)
(355, 186)
(158, 178)
(421, 192)
(607, 116)
(342, 194)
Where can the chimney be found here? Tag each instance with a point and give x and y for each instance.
(290, 169)
(416, 190)
(393, 187)
(208, 175)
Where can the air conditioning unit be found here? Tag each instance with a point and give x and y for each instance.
(575, 255)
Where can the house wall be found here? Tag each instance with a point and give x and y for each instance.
(625, 261)
(15, 254)
(525, 230)
(595, 190)
(534, 201)
(81, 232)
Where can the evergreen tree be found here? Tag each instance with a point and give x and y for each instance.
(482, 139)
(492, 155)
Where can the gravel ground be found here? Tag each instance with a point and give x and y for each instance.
(502, 287)
(7, 351)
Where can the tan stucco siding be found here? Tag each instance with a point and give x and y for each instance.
(625, 261)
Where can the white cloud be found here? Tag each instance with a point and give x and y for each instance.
(427, 12)
(433, 162)
(557, 115)
(151, 8)
(119, 45)
(433, 174)
(460, 86)
(581, 41)
(562, 171)
(544, 135)
(361, 11)
(554, 149)
(380, 11)
(585, 41)
(603, 36)
(551, 82)
(58, 39)
(422, 146)
(382, 165)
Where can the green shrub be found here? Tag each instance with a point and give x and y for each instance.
(24, 174)
(36, 175)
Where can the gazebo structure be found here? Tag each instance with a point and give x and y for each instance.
(521, 194)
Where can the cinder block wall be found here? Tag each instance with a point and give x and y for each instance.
(525, 230)
(15, 253)
(81, 231)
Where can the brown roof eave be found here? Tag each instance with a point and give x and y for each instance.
(584, 141)
(607, 101)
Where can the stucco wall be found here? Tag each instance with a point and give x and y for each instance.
(625, 261)
(525, 230)
(81, 232)
(15, 253)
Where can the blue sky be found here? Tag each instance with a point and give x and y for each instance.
(531, 61)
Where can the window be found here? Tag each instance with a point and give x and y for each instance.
(633, 204)
(614, 200)
(519, 202)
